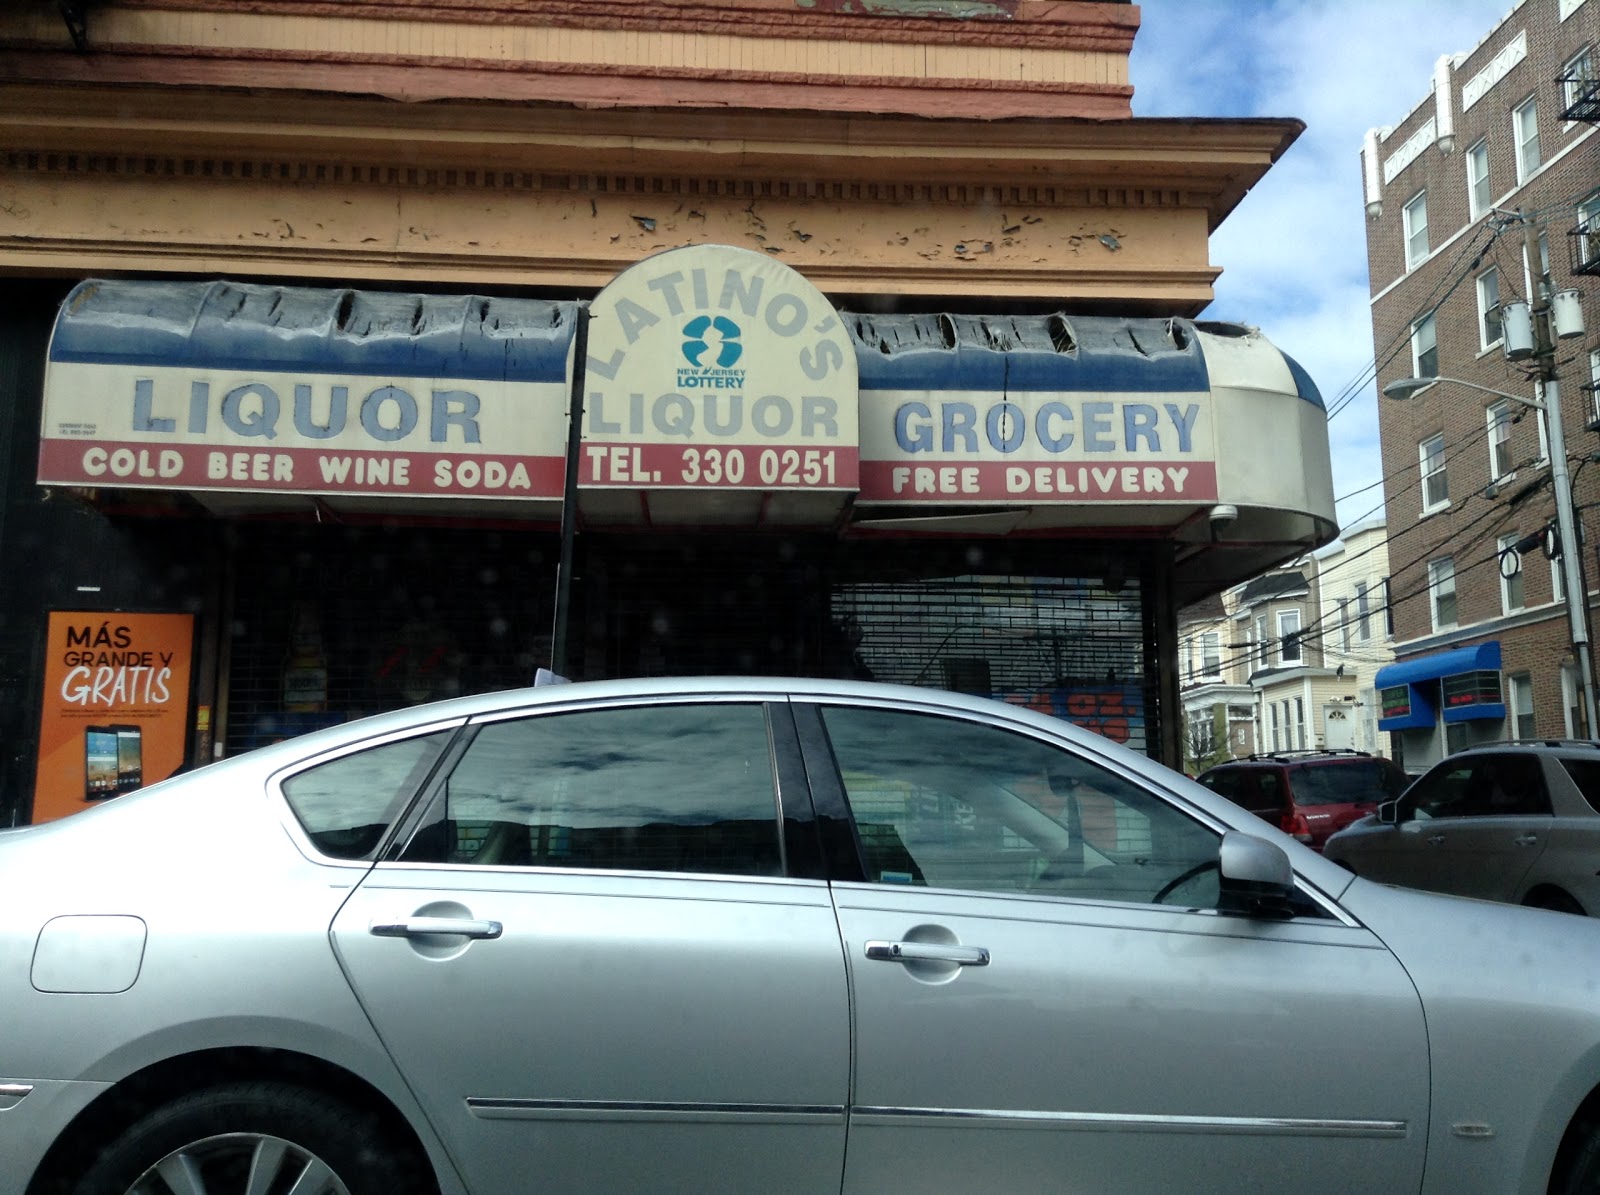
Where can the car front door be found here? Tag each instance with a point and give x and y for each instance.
(596, 966)
(1048, 999)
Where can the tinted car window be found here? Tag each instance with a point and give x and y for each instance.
(1585, 774)
(346, 804)
(1347, 782)
(685, 788)
(953, 804)
(1481, 786)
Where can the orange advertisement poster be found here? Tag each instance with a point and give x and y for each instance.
(116, 707)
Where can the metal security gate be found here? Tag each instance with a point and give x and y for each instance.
(330, 622)
(1067, 646)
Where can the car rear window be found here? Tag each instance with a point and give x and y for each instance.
(1585, 774)
(1346, 783)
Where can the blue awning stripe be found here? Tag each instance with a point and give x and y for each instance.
(280, 329)
(1482, 657)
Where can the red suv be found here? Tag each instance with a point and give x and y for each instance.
(1308, 794)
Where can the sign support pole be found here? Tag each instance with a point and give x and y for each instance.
(569, 492)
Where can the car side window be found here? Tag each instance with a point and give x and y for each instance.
(680, 788)
(1585, 774)
(953, 804)
(1508, 786)
(1441, 793)
(346, 804)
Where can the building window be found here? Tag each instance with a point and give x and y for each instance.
(1490, 332)
(1519, 704)
(1558, 580)
(1435, 482)
(1576, 77)
(1572, 701)
(1478, 198)
(1363, 613)
(1272, 707)
(1424, 348)
(1262, 646)
(1594, 384)
(1588, 230)
(1525, 132)
(1300, 722)
(1442, 588)
(1388, 609)
(1344, 624)
(1414, 216)
(1501, 463)
(1211, 653)
(1289, 636)
(1511, 599)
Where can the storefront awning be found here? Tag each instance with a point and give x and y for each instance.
(1481, 657)
(267, 397)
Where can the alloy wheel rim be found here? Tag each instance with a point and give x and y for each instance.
(240, 1164)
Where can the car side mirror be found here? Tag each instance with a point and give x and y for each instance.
(1257, 879)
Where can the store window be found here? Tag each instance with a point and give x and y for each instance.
(1435, 481)
(1424, 348)
(1414, 217)
(1477, 159)
(1442, 590)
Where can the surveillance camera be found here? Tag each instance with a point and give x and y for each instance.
(1224, 514)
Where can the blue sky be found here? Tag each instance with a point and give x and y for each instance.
(1293, 254)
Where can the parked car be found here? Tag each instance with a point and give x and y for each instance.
(704, 935)
(1308, 794)
(1516, 822)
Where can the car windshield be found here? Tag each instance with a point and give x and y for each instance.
(1346, 784)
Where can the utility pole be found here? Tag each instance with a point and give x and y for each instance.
(1547, 391)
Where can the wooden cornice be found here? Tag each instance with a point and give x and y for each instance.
(1074, 24)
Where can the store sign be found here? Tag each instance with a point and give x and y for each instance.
(116, 707)
(713, 368)
(951, 446)
(1472, 688)
(198, 428)
(1396, 702)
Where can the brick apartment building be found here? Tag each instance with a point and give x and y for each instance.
(1500, 156)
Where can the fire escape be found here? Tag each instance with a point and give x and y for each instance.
(1580, 91)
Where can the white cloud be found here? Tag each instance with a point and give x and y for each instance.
(1293, 253)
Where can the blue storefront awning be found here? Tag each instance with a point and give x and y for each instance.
(1481, 657)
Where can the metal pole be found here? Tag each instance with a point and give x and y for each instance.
(569, 492)
(1547, 389)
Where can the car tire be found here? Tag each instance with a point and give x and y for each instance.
(1554, 900)
(1578, 1167)
(217, 1133)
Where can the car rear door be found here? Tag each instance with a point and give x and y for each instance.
(1047, 999)
(601, 966)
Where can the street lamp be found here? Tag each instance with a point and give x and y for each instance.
(1566, 522)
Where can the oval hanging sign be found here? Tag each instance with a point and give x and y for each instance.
(716, 368)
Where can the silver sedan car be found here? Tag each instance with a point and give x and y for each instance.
(744, 935)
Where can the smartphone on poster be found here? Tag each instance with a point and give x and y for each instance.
(130, 758)
(99, 763)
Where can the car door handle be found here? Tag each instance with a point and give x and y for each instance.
(1525, 839)
(1436, 840)
(421, 927)
(927, 952)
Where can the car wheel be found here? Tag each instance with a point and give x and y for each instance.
(1578, 1167)
(248, 1137)
(1555, 900)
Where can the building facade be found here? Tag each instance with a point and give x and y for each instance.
(361, 355)
(1481, 198)
(1287, 661)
